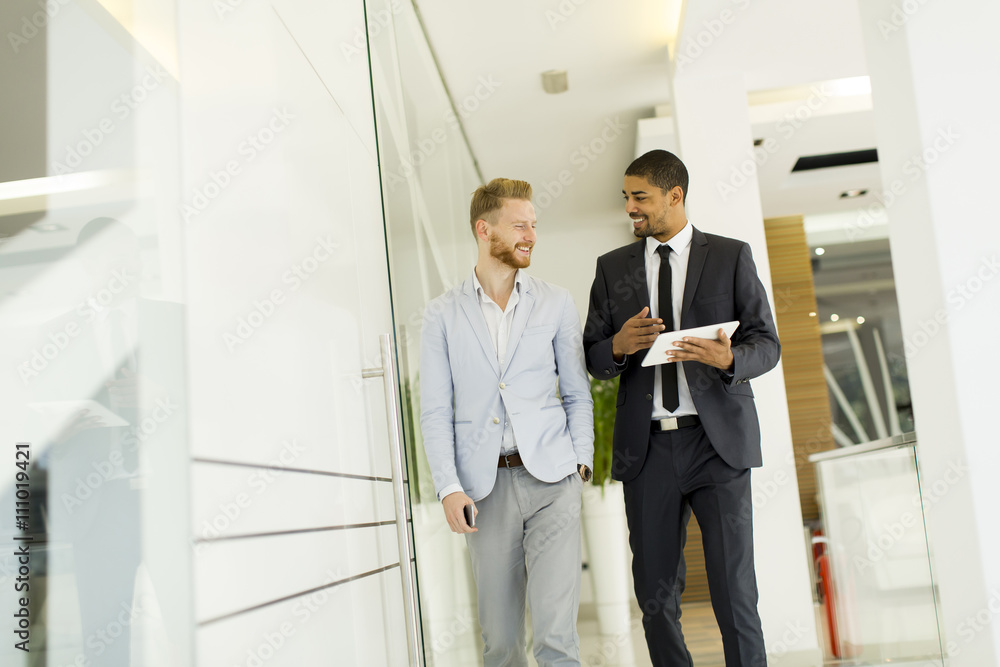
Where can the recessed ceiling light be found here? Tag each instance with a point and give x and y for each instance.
(861, 320)
(812, 314)
(854, 194)
(48, 227)
(820, 251)
(834, 317)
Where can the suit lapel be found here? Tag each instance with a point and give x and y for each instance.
(525, 303)
(696, 262)
(470, 304)
(637, 271)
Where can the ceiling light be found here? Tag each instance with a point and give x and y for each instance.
(861, 320)
(48, 227)
(853, 194)
(834, 317)
(820, 251)
(555, 81)
(812, 314)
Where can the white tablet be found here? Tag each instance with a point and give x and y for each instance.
(665, 341)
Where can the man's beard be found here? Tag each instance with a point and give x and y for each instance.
(646, 230)
(508, 255)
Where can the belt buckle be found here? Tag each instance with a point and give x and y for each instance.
(668, 424)
(506, 459)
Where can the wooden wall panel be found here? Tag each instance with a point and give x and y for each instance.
(802, 360)
(801, 350)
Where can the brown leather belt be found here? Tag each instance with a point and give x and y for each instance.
(510, 461)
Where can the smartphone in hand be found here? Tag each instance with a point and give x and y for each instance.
(470, 515)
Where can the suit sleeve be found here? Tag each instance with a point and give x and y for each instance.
(755, 344)
(574, 385)
(437, 416)
(600, 331)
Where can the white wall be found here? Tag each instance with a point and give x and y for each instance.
(935, 103)
(713, 131)
(287, 290)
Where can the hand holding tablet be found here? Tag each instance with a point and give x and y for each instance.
(665, 341)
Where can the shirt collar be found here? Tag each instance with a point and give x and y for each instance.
(680, 241)
(518, 279)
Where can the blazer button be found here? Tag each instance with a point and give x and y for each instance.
(607, 372)
(496, 420)
(503, 386)
(649, 397)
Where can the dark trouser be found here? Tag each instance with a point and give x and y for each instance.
(682, 472)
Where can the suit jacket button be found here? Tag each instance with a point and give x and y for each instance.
(496, 420)
(607, 372)
(649, 397)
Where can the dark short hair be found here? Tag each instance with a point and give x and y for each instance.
(662, 169)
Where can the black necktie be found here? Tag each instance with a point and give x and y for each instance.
(668, 372)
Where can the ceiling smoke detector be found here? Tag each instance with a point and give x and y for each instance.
(554, 81)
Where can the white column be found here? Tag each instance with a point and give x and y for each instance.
(933, 69)
(713, 132)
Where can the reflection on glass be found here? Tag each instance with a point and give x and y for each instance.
(93, 360)
(880, 590)
(428, 175)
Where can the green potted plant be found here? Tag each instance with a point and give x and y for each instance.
(604, 526)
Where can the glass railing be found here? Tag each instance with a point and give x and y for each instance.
(873, 558)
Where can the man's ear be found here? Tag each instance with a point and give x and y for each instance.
(676, 195)
(482, 232)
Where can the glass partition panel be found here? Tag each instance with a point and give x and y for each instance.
(428, 176)
(880, 597)
(91, 318)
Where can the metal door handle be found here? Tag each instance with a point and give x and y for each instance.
(392, 411)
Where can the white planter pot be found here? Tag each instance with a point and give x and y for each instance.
(606, 533)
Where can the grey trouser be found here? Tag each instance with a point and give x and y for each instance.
(528, 543)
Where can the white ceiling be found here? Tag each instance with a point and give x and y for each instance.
(617, 59)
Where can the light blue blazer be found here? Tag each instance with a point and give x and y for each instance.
(464, 390)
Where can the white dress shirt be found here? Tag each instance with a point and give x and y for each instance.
(680, 246)
(498, 322)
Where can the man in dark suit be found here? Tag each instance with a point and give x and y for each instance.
(686, 432)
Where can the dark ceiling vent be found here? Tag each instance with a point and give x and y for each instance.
(811, 162)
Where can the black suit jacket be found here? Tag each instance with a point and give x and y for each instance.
(721, 285)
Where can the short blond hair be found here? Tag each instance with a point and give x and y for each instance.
(488, 199)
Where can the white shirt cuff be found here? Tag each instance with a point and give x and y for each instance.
(450, 489)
